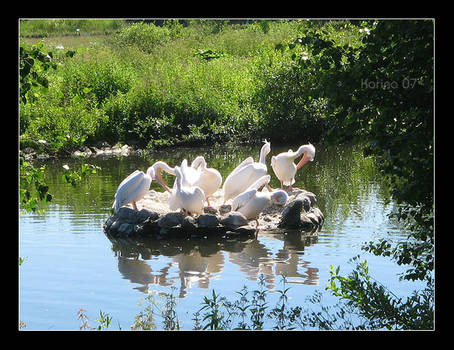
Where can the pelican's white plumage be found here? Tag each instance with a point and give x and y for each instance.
(190, 175)
(186, 197)
(245, 174)
(210, 179)
(133, 188)
(252, 202)
(284, 167)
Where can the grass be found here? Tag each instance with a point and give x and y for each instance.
(38, 28)
(150, 83)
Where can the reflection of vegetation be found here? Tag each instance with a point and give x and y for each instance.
(337, 175)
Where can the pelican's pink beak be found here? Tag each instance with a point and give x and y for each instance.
(160, 180)
(306, 158)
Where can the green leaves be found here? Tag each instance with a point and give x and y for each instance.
(32, 187)
(74, 178)
(380, 306)
(208, 54)
(34, 61)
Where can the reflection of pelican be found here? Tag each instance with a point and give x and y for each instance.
(194, 267)
(283, 165)
(184, 196)
(210, 179)
(133, 188)
(251, 202)
(140, 272)
(245, 174)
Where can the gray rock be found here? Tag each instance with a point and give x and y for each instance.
(189, 224)
(146, 215)
(225, 208)
(234, 219)
(125, 229)
(110, 220)
(127, 215)
(319, 214)
(314, 218)
(170, 220)
(312, 197)
(114, 226)
(102, 144)
(291, 215)
(306, 201)
(306, 224)
(150, 227)
(139, 229)
(208, 220)
(210, 210)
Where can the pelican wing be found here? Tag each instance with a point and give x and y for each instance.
(191, 199)
(210, 180)
(197, 162)
(129, 177)
(247, 161)
(260, 182)
(242, 199)
(127, 187)
(190, 175)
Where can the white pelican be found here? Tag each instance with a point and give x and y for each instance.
(245, 174)
(210, 179)
(251, 202)
(190, 175)
(283, 165)
(136, 185)
(188, 198)
(133, 188)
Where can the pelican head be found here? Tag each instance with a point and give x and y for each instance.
(309, 154)
(266, 147)
(279, 197)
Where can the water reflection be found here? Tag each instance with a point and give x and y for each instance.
(196, 261)
(349, 193)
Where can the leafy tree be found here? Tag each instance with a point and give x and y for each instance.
(382, 91)
(34, 62)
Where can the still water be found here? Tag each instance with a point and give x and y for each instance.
(70, 263)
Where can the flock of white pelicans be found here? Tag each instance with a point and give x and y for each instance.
(195, 184)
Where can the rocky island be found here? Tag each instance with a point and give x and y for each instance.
(154, 218)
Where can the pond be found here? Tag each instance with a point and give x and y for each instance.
(71, 264)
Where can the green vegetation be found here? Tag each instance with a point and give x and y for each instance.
(163, 85)
(253, 310)
(38, 28)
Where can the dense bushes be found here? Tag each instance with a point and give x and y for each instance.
(148, 84)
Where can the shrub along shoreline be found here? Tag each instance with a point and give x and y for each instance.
(196, 84)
